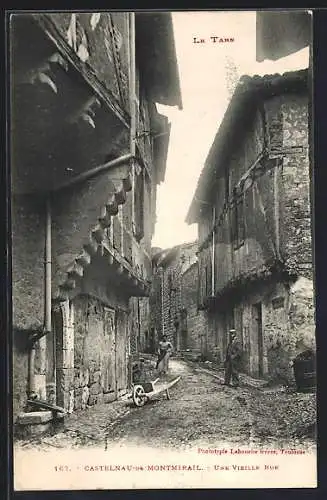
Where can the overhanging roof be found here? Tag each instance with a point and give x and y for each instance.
(281, 33)
(156, 54)
(164, 257)
(249, 91)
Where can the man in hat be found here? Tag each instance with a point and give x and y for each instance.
(233, 359)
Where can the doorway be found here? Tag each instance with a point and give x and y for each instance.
(121, 351)
(258, 336)
(228, 324)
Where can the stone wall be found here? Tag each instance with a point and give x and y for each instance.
(301, 315)
(140, 324)
(287, 327)
(296, 188)
(64, 326)
(28, 246)
(166, 293)
(74, 214)
(144, 324)
(277, 221)
(20, 370)
(155, 305)
(100, 336)
(194, 323)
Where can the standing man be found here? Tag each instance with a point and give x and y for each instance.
(233, 359)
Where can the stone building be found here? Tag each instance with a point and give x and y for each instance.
(194, 317)
(167, 309)
(252, 206)
(88, 151)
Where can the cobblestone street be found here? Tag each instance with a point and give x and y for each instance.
(201, 412)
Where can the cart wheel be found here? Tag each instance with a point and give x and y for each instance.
(139, 396)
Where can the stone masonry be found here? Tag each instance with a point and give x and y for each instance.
(166, 294)
(263, 224)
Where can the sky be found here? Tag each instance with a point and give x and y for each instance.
(205, 99)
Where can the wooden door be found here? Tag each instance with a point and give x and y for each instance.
(257, 338)
(229, 323)
(121, 351)
(109, 356)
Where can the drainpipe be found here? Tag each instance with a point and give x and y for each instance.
(93, 172)
(47, 281)
(132, 103)
(41, 337)
(31, 378)
(213, 253)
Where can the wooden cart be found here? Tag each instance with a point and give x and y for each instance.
(142, 393)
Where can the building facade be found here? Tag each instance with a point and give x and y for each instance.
(195, 324)
(167, 307)
(253, 210)
(88, 151)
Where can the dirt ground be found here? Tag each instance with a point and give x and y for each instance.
(201, 411)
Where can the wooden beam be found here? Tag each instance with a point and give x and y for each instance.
(105, 95)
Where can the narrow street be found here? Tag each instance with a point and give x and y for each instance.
(161, 215)
(201, 412)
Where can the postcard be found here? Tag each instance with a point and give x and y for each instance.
(162, 273)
